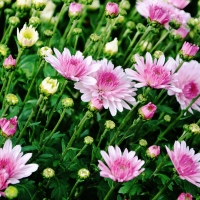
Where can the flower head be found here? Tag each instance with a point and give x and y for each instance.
(112, 87)
(121, 167)
(83, 173)
(11, 192)
(13, 165)
(147, 111)
(181, 4)
(186, 162)
(23, 4)
(188, 51)
(111, 48)
(153, 151)
(112, 9)
(48, 173)
(8, 126)
(154, 73)
(9, 63)
(73, 67)
(185, 196)
(95, 104)
(75, 10)
(181, 33)
(11, 99)
(188, 81)
(27, 36)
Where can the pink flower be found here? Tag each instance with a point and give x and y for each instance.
(185, 196)
(147, 111)
(182, 32)
(153, 151)
(188, 50)
(155, 73)
(112, 87)
(186, 162)
(179, 3)
(74, 68)
(96, 104)
(120, 167)
(75, 9)
(13, 165)
(9, 62)
(188, 81)
(112, 9)
(8, 127)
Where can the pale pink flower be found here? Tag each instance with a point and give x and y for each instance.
(73, 67)
(112, 87)
(112, 9)
(13, 165)
(8, 126)
(147, 111)
(75, 9)
(186, 162)
(185, 196)
(96, 104)
(182, 32)
(154, 73)
(121, 167)
(153, 151)
(9, 62)
(179, 3)
(188, 81)
(189, 50)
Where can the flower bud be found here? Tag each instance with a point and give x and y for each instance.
(48, 173)
(185, 196)
(143, 143)
(77, 31)
(39, 44)
(48, 33)
(11, 192)
(9, 63)
(111, 48)
(122, 12)
(67, 102)
(83, 173)
(39, 4)
(27, 36)
(14, 21)
(4, 50)
(157, 54)
(1, 4)
(147, 111)
(141, 98)
(86, 2)
(140, 28)
(47, 14)
(125, 5)
(88, 140)
(192, 22)
(94, 37)
(145, 45)
(48, 86)
(23, 5)
(153, 151)
(130, 25)
(34, 21)
(112, 10)
(194, 128)
(119, 20)
(94, 6)
(75, 10)
(9, 11)
(95, 104)
(167, 118)
(44, 51)
(11, 99)
(109, 125)
(8, 126)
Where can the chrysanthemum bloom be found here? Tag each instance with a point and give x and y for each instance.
(155, 73)
(179, 3)
(13, 165)
(111, 48)
(9, 63)
(75, 10)
(112, 87)
(11, 99)
(181, 33)
(185, 196)
(186, 162)
(8, 126)
(73, 67)
(23, 4)
(112, 10)
(27, 36)
(188, 51)
(153, 151)
(121, 167)
(39, 4)
(147, 111)
(188, 81)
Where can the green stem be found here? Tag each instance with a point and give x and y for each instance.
(30, 117)
(5, 33)
(70, 31)
(73, 189)
(107, 197)
(180, 65)
(3, 86)
(76, 133)
(169, 46)
(9, 34)
(5, 110)
(75, 43)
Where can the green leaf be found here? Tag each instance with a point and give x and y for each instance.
(45, 155)
(29, 148)
(136, 189)
(126, 187)
(163, 178)
(165, 109)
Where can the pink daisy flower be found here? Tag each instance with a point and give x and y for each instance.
(112, 87)
(75, 68)
(189, 50)
(154, 73)
(13, 165)
(179, 3)
(185, 196)
(188, 81)
(147, 111)
(182, 32)
(121, 167)
(186, 162)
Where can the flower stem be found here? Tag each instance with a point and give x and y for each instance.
(70, 31)
(107, 197)
(9, 34)
(73, 189)
(180, 65)
(5, 110)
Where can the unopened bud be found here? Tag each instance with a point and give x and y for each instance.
(147, 111)
(194, 128)
(95, 105)
(153, 151)
(9, 11)
(157, 54)
(83, 173)
(109, 125)
(140, 28)
(75, 10)
(77, 31)
(39, 4)
(94, 37)
(1, 4)
(94, 6)
(167, 118)
(23, 5)
(120, 20)
(88, 140)
(48, 33)
(11, 192)
(122, 12)
(44, 51)
(125, 5)
(34, 21)
(9, 63)
(39, 44)
(14, 21)
(143, 143)
(67, 102)
(4, 50)
(141, 98)
(112, 10)
(130, 25)
(111, 48)
(11, 99)
(48, 173)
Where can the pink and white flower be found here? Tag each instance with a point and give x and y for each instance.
(112, 87)
(112, 9)
(182, 32)
(153, 151)
(186, 162)
(121, 167)
(8, 126)
(147, 111)
(75, 9)
(13, 165)
(154, 73)
(179, 3)
(189, 50)
(73, 67)
(188, 81)
(9, 62)
(185, 196)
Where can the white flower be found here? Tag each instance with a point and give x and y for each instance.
(95, 5)
(48, 11)
(23, 4)
(111, 48)
(27, 36)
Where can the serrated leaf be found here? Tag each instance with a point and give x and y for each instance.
(126, 187)
(165, 109)
(29, 148)
(136, 189)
